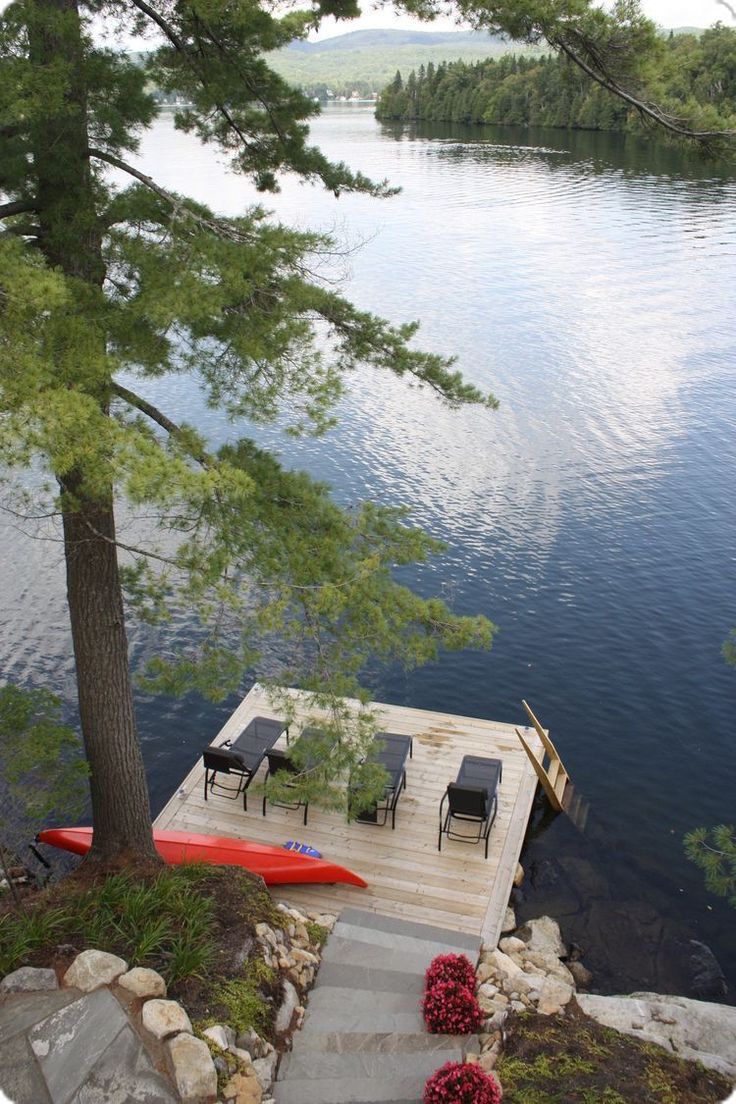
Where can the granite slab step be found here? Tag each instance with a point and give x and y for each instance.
(374, 978)
(349, 952)
(312, 1066)
(396, 941)
(19, 1011)
(470, 944)
(337, 999)
(350, 1042)
(363, 1020)
(350, 1090)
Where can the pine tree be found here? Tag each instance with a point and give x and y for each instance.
(97, 279)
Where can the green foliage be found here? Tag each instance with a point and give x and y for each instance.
(99, 278)
(247, 999)
(714, 851)
(317, 933)
(42, 768)
(694, 78)
(164, 922)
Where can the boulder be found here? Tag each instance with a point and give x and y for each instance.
(504, 966)
(509, 921)
(553, 996)
(217, 1035)
(512, 945)
(166, 1017)
(194, 1071)
(28, 979)
(518, 874)
(143, 983)
(693, 1029)
(289, 1004)
(265, 1070)
(581, 974)
(243, 1090)
(543, 936)
(91, 969)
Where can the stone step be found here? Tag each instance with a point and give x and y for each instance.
(469, 944)
(396, 941)
(338, 999)
(361, 1064)
(344, 1042)
(368, 977)
(363, 1020)
(350, 952)
(350, 1090)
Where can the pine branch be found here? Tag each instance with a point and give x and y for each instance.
(17, 207)
(161, 419)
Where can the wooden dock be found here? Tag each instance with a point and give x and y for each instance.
(407, 876)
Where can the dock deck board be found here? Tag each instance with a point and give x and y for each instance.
(407, 876)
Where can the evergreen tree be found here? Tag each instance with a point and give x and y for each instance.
(97, 279)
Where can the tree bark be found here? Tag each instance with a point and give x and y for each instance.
(71, 241)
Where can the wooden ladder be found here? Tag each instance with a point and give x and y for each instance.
(553, 777)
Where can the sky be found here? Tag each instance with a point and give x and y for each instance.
(667, 13)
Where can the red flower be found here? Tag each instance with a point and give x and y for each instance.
(461, 1083)
(450, 967)
(451, 1009)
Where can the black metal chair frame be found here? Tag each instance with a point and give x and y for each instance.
(240, 757)
(378, 814)
(469, 804)
(279, 761)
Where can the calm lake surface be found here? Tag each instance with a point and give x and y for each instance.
(588, 281)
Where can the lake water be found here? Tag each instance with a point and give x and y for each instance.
(588, 281)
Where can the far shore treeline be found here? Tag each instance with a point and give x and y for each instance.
(694, 77)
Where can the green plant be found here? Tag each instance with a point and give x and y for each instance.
(317, 933)
(246, 1003)
(714, 851)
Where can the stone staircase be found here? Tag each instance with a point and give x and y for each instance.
(363, 1040)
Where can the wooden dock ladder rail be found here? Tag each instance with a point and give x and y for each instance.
(554, 779)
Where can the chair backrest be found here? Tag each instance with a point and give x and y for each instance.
(469, 801)
(279, 761)
(220, 759)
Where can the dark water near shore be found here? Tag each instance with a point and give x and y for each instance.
(589, 282)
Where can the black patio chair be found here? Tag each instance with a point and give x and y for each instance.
(391, 752)
(471, 799)
(241, 757)
(279, 761)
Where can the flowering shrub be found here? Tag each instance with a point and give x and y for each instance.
(461, 1083)
(450, 967)
(451, 1009)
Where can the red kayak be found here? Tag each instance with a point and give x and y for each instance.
(274, 864)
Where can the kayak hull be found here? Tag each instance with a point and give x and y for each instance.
(275, 865)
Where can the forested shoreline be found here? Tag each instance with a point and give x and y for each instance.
(694, 77)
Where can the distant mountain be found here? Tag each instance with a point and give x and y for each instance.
(364, 62)
(389, 39)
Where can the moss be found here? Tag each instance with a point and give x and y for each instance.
(317, 933)
(247, 999)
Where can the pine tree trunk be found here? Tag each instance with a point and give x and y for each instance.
(70, 239)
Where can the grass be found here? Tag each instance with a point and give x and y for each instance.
(573, 1060)
(187, 922)
(248, 999)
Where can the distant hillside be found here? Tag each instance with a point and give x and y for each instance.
(366, 61)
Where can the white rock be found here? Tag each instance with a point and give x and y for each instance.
(692, 1029)
(511, 945)
(29, 979)
(217, 1035)
(265, 1069)
(544, 937)
(504, 966)
(165, 1017)
(194, 1071)
(518, 874)
(509, 921)
(143, 982)
(289, 1002)
(91, 969)
(553, 996)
